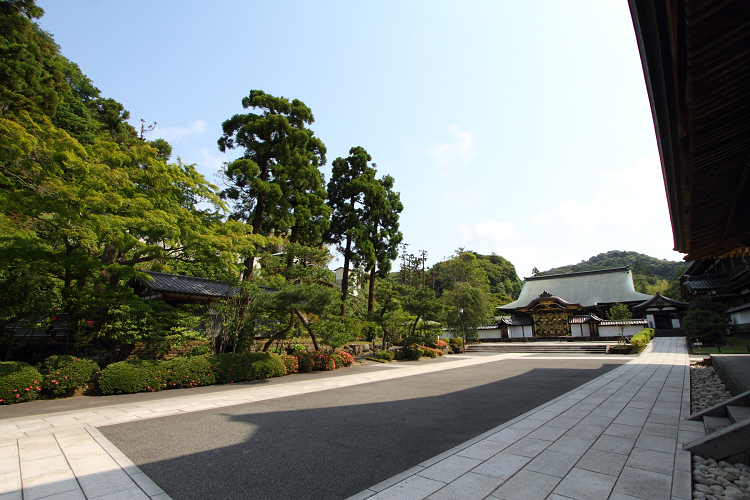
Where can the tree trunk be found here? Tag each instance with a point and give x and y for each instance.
(308, 327)
(281, 333)
(345, 279)
(371, 293)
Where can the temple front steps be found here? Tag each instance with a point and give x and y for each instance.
(548, 347)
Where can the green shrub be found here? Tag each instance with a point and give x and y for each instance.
(199, 350)
(19, 382)
(338, 360)
(385, 355)
(291, 363)
(399, 354)
(64, 374)
(412, 351)
(131, 376)
(642, 338)
(193, 371)
(237, 367)
(297, 348)
(456, 343)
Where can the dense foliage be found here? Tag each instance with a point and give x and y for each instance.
(705, 321)
(64, 374)
(19, 382)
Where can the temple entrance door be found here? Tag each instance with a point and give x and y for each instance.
(662, 321)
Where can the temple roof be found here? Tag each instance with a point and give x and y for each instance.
(659, 301)
(705, 284)
(186, 285)
(587, 288)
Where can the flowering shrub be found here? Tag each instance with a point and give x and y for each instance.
(441, 344)
(429, 352)
(183, 372)
(19, 382)
(347, 358)
(64, 374)
(291, 363)
(385, 355)
(317, 360)
(199, 350)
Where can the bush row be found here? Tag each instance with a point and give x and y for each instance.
(411, 351)
(62, 375)
(642, 338)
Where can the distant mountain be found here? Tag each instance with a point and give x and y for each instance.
(639, 263)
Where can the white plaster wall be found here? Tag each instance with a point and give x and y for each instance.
(519, 331)
(650, 319)
(489, 334)
(614, 331)
(741, 317)
(579, 329)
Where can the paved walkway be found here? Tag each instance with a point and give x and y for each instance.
(619, 437)
(619, 430)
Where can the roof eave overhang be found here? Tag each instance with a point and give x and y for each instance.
(655, 44)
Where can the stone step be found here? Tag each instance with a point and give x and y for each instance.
(712, 424)
(738, 413)
(529, 348)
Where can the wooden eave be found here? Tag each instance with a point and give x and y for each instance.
(696, 62)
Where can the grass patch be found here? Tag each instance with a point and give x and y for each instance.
(733, 345)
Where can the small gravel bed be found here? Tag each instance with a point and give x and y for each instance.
(706, 388)
(714, 480)
(720, 480)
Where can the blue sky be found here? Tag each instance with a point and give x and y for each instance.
(521, 128)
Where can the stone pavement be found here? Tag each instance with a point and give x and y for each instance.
(63, 456)
(619, 437)
(619, 430)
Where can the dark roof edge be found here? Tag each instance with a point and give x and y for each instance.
(579, 273)
(185, 276)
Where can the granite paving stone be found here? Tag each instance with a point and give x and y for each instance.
(526, 485)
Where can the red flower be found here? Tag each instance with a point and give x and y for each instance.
(90, 323)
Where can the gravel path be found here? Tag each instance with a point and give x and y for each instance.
(714, 480)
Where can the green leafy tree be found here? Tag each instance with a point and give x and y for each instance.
(297, 290)
(276, 185)
(620, 312)
(466, 294)
(382, 237)
(705, 321)
(352, 182)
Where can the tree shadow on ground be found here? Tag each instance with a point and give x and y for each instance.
(336, 443)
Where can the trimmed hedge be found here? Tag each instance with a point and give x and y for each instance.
(385, 355)
(133, 375)
(193, 371)
(642, 338)
(64, 374)
(234, 367)
(137, 375)
(19, 382)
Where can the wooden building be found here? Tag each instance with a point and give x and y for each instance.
(574, 304)
(695, 62)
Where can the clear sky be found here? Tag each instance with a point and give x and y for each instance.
(522, 128)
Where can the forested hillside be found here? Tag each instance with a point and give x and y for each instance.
(650, 275)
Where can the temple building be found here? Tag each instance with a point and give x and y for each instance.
(562, 305)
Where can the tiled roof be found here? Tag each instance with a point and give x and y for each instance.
(584, 318)
(516, 321)
(700, 284)
(588, 288)
(735, 309)
(186, 285)
(658, 299)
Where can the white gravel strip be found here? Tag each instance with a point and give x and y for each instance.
(714, 480)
